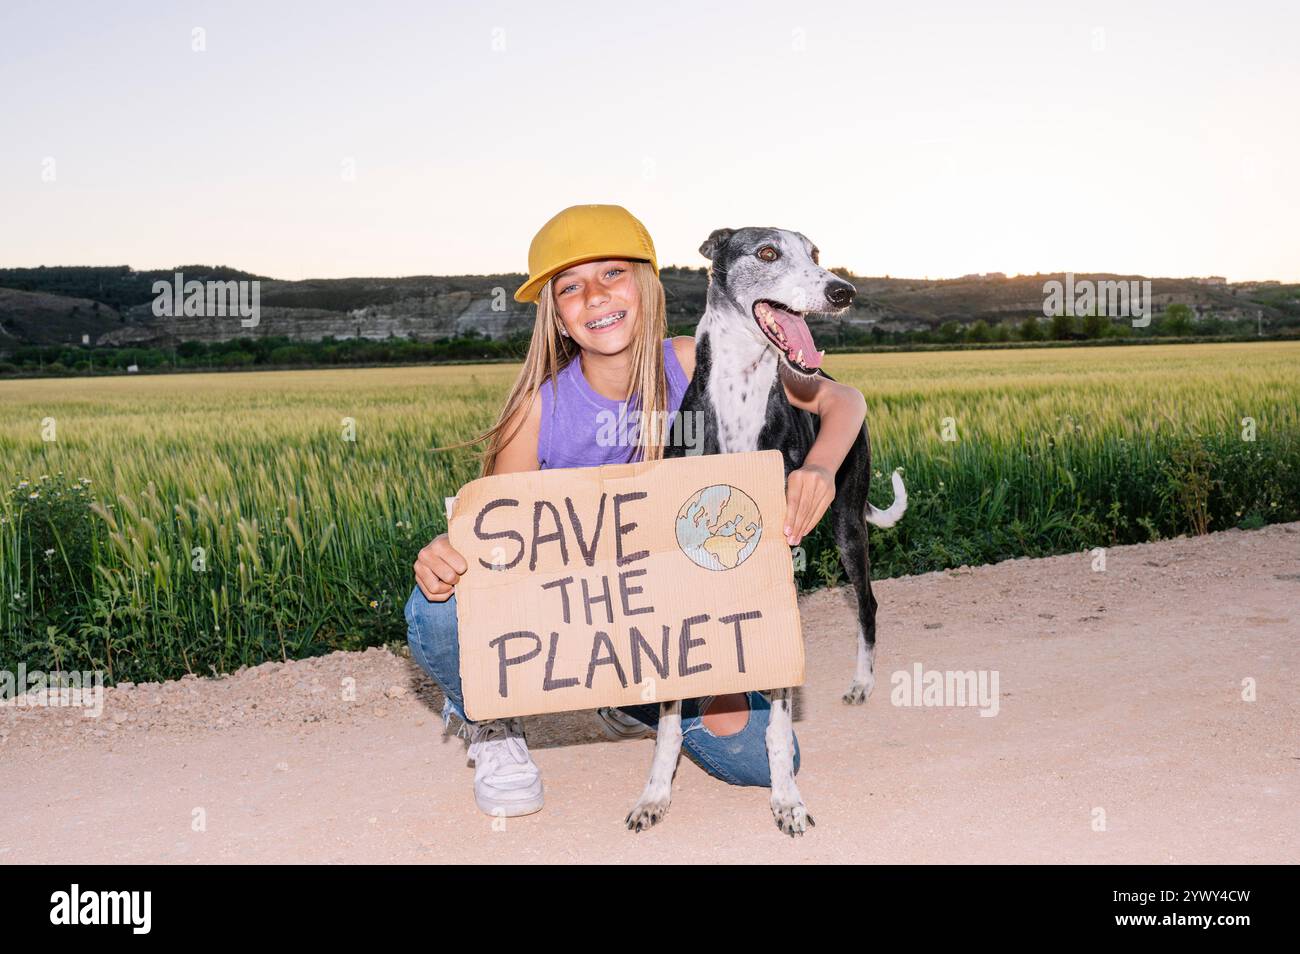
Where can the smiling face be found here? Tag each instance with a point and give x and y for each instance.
(599, 304)
(774, 276)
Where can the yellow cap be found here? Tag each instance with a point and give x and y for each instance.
(584, 233)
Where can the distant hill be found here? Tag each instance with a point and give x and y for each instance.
(41, 318)
(115, 285)
(113, 305)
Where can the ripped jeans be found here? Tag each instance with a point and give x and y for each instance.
(739, 758)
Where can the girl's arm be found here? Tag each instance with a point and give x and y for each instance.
(811, 488)
(439, 566)
(521, 453)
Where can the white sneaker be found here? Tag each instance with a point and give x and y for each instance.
(619, 725)
(506, 779)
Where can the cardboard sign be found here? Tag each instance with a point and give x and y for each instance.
(625, 584)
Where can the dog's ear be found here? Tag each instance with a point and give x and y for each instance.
(716, 240)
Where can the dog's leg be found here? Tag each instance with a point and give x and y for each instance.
(787, 804)
(864, 674)
(852, 540)
(658, 793)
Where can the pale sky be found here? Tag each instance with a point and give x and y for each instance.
(921, 139)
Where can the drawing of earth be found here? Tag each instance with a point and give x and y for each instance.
(719, 527)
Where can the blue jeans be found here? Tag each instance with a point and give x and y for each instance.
(740, 758)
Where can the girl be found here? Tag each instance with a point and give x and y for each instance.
(598, 351)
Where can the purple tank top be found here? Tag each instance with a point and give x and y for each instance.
(586, 429)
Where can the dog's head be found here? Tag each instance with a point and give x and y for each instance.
(773, 279)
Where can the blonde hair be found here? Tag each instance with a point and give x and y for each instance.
(549, 353)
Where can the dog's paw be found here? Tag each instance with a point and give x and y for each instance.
(792, 819)
(857, 693)
(646, 815)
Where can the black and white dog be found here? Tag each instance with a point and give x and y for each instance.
(761, 284)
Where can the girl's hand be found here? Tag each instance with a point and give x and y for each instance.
(808, 492)
(438, 569)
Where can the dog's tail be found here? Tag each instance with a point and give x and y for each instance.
(887, 518)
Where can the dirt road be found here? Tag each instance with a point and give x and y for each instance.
(1121, 735)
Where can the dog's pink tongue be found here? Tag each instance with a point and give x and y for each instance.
(798, 337)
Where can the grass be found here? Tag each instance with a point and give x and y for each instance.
(198, 523)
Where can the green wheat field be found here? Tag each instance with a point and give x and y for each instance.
(154, 526)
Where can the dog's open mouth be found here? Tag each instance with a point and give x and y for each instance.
(788, 330)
